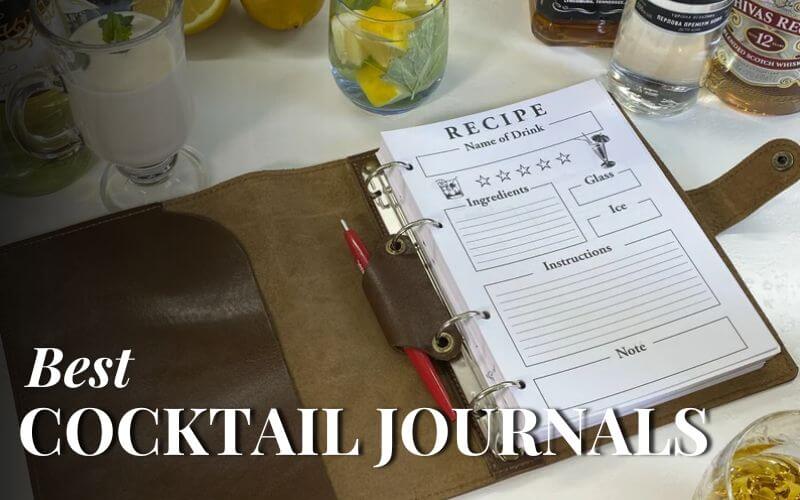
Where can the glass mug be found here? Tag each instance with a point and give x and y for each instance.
(761, 462)
(21, 51)
(127, 93)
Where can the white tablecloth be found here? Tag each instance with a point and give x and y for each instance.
(266, 100)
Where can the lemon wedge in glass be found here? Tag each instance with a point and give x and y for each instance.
(413, 7)
(383, 40)
(346, 43)
(391, 31)
(353, 45)
(379, 92)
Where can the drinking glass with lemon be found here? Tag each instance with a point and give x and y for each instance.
(388, 55)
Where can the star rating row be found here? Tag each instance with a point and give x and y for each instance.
(523, 170)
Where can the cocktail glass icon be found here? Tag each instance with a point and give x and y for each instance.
(598, 143)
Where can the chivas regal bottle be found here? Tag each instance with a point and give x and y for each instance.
(757, 65)
(576, 22)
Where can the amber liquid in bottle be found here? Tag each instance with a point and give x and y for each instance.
(556, 22)
(756, 66)
(747, 97)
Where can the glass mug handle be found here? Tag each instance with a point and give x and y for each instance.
(50, 147)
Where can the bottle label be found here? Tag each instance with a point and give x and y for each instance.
(21, 48)
(762, 42)
(681, 22)
(584, 10)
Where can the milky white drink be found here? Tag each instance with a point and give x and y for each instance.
(132, 106)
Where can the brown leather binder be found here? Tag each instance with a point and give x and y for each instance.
(245, 296)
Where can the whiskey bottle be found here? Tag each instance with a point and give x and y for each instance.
(757, 66)
(576, 22)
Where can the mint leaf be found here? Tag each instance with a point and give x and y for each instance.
(360, 4)
(116, 28)
(423, 62)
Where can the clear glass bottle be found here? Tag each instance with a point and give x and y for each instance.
(576, 22)
(757, 66)
(661, 52)
(22, 51)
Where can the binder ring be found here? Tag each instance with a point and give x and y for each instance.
(462, 317)
(443, 341)
(394, 244)
(492, 389)
(382, 168)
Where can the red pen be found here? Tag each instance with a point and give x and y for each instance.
(422, 363)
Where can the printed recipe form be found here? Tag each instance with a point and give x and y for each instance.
(602, 288)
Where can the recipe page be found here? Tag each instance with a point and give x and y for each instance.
(603, 290)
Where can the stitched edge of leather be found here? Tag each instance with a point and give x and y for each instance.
(74, 228)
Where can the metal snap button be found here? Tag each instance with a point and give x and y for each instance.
(782, 161)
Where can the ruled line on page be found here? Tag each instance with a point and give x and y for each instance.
(487, 245)
(575, 351)
(537, 239)
(649, 287)
(521, 207)
(614, 296)
(585, 271)
(616, 321)
(669, 260)
(495, 235)
(523, 219)
(559, 218)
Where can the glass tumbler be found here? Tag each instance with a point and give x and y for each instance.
(761, 462)
(388, 55)
(122, 65)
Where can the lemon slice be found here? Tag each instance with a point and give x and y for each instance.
(379, 92)
(384, 40)
(392, 31)
(383, 52)
(353, 46)
(346, 44)
(199, 15)
(153, 8)
(413, 7)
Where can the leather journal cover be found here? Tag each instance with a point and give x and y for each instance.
(245, 296)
